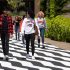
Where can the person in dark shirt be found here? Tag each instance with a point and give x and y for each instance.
(17, 27)
(6, 31)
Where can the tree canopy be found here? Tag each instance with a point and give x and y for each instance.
(50, 7)
(53, 7)
(15, 4)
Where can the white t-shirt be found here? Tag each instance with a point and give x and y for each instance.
(28, 26)
(41, 22)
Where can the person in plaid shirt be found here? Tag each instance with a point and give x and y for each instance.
(6, 31)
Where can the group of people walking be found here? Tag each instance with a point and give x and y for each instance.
(27, 27)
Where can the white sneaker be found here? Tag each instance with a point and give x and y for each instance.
(27, 56)
(24, 45)
(33, 57)
(5, 57)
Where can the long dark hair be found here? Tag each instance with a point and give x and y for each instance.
(23, 16)
(31, 14)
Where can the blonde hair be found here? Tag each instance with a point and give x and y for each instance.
(40, 13)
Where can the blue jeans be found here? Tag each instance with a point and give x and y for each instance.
(42, 32)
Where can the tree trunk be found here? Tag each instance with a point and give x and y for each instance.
(37, 6)
(52, 8)
(47, 8)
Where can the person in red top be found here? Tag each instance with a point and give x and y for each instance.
(6, 30)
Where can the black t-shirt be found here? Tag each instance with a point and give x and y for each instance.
(17, 23)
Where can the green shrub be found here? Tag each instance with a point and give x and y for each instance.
(58, 28)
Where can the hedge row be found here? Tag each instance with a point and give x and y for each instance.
(59, 28)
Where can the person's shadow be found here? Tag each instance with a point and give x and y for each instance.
(1, 58)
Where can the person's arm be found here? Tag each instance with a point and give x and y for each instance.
(23, 26)
(20, 25)
(0, 21)
(45, 24)
(37, 26)
(10, 26)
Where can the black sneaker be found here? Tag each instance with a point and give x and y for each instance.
(7, 58)
(43, 47)
(38, 45)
